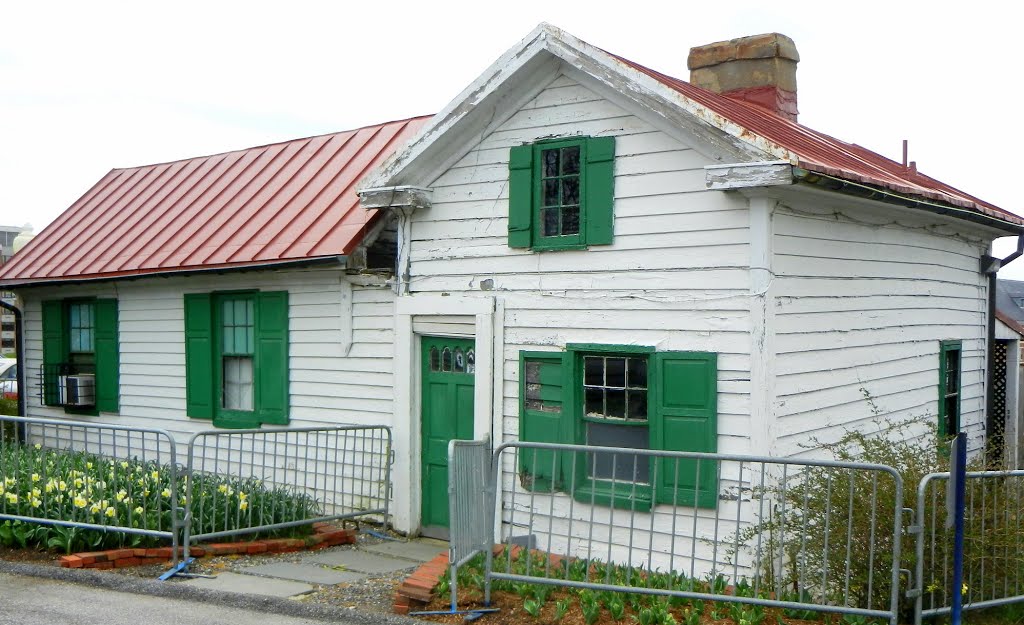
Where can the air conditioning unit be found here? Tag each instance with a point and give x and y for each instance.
(78, 390)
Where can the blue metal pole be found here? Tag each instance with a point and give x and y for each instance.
(960, 477)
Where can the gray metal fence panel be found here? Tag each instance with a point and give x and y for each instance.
(469, 482)
(993, 559)
(597, 504)
(344, 471)
(98, 476)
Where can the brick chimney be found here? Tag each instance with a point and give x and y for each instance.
(760, 69)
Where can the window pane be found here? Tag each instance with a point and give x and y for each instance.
(627, 467)
(570, 191)
(550, 162)
(615, 403)
(446, 360)
(460, 360)
(571, 220)
(470, 361)
(615, 372)
(593, 368)
(74, 316)
(229, 313)
(550, 216)
(550, 195)
(238, 383)
(637, 376)
(594, 402)
(435, 359)
(636, 405)
(571, 160)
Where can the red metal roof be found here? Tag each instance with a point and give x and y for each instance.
(823, 154)
(284, 202)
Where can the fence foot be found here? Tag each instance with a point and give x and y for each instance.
(471, 615)
(181, 570)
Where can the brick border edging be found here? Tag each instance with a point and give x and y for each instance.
(417, 590)
(324, 535)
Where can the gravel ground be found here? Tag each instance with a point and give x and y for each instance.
(372, 594)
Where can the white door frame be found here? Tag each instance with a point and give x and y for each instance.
(406, 474)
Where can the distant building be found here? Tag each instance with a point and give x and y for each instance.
(7, 333)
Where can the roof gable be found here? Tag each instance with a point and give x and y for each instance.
(284, 202)
(730, 129)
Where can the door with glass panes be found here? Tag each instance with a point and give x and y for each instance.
(448, 369)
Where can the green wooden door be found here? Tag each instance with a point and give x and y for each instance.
(448, 368)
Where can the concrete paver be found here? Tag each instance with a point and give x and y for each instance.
(309, 573)
(417, 550)
(251, 585)
(362, 561)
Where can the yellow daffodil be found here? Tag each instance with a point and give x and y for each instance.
(62, 485)
(88, 465)
(10, 481)
(79, 502)
(60, 498)
(36, 502)
(94, 508)
(155, 475)
(35, 477)
(1, 489)
(49, 486)
(139, 510)
(242, 496)
(166, 493)
(110, 512)
(223, 488)
(78, 482)
(38, 446)
(124, 465)
(11, 498)
(145, 493)
(36, 492)
(121, 494)
(243, 505)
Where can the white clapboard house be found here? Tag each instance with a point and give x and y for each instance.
(569, 211)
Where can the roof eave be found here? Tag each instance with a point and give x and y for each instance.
(340, 261)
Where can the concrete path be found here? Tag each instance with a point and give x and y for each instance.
(328, 567)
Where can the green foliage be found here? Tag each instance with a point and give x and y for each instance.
(86, 488)
(616, 607)
(8, 406)
(562, 608)
(532, 607)
(590, 607)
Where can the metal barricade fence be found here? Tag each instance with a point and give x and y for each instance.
(90, 476)
(469, 481)
(784, 533)
(256, 480)
(994, 536)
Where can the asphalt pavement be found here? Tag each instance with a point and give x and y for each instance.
(46, 595)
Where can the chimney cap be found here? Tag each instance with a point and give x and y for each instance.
(766, 46)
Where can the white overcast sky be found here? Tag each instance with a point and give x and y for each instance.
(89, 86)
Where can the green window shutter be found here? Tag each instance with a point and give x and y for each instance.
(686, 404)
(54, 349)
(199, 356)
(107, 356)
(271, 362)
(600, 190)
(543, 416)
(520, 196)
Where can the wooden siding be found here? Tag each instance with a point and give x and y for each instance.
(327, 385)
(862, 300)
(675, 276)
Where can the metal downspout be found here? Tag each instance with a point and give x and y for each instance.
(19, 353)
(990, 268)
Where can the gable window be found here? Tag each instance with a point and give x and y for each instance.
(949, 388)
(627, 397)
(561, 193)
(236, 358)
(81, 355)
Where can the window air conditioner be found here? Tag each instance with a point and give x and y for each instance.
(78, 390)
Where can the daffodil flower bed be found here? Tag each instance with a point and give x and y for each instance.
(46, 483)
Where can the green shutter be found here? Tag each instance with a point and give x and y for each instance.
(107, 356)
(686, 405)
(272, 357)
(543, 417)
(520, 196)
(54, 349)
(199, 356)
(600, 189)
